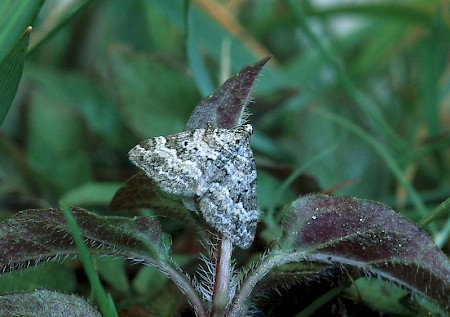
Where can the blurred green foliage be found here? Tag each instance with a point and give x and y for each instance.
(101, 76)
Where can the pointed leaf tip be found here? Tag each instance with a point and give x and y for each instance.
(225, 108)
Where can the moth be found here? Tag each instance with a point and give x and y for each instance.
(213, 169)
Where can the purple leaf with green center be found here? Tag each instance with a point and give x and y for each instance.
(371, 237)
(226, 107)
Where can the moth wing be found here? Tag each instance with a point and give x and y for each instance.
(229, 217)
(161, 161)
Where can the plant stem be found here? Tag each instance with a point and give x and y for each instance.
(240, 302)
(221, 293)
(272, 260)
(183, 284)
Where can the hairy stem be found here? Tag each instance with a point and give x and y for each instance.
(183, 284)
(240, 302)
(221, 293)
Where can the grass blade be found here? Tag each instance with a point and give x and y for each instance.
(104, 301)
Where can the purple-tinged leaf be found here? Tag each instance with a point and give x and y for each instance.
(369, 236)
(140, 191)
(226, 107)
(45, 303)
(37, 235)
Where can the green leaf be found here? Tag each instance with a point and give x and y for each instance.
(371, 237)
(45, 303)
(56, 132)
(58, 16)
(54, 276)
(15, 18)
(15, 21)
(112, 270)
(156, 98)
(90, 194)
(149, 282)
(390, 298)
(42, 234)
(11, 68)
(226, 107)
(86, 98)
